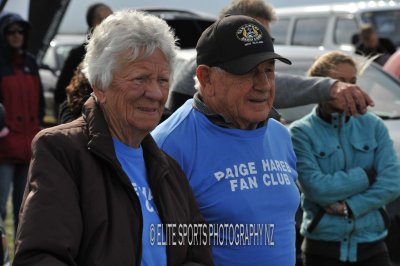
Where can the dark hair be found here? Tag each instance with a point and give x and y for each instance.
(91, 13)
(366, 31)
(78, 92)
(251, 8)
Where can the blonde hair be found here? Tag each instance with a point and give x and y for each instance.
(326, 63)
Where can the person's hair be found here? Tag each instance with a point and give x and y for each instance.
(251, 8)
(125, 36)
(78, 91)
(365, 32)
(92, 13)
(326, 63)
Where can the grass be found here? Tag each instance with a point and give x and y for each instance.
(9, 227)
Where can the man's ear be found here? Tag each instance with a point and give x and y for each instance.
(203, 74)
(100, 94)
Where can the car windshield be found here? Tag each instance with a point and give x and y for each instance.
(383, 89)
(386, 22)
(56, 55)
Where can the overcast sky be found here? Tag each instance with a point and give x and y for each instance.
(74, 20)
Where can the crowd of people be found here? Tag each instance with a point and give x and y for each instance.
(219, 180)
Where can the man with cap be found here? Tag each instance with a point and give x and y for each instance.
(239, 163)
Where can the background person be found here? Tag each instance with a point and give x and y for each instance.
(224, 128)
(22, 97)
(98, 184)
(369, 44)
(78, 91)
(292, 90)
(95, 14)
(348, 172)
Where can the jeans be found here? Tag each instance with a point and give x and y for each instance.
(15, 175)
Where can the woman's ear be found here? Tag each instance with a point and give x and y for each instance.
(100, 94)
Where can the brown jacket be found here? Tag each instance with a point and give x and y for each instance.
(80, 208)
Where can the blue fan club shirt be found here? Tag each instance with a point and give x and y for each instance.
(244, 182)
(132, 162)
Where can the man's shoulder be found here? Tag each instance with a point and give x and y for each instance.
(176, 126)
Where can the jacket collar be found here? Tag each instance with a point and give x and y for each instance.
(221, 121)
(100, 140)
(336, 120)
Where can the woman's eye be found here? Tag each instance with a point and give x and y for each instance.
(163, 81)
(139, 80)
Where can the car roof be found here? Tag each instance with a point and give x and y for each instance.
(350, 7)
(68, 39)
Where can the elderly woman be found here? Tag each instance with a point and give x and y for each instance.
(100, 190)
(348, 172)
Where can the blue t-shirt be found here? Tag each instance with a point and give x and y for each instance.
(132, 162)
(244, 182)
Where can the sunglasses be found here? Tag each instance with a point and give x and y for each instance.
(13, 32)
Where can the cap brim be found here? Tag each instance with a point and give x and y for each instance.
(244, 64)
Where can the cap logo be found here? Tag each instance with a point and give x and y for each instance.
(249, 33)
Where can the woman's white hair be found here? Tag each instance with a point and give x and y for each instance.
(125, 35)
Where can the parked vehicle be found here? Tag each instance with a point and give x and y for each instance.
(187, 25)
(51, 66)
(333, 26)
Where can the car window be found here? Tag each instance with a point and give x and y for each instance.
(387, 23)
(55, 56)
(383, 89)
(345, 28)
(279, 30)
(309, 31)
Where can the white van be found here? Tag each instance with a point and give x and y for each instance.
(332, 26)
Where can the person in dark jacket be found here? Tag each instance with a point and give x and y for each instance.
(95, 14)
(22, 97)
(368, 43)
(100, 190)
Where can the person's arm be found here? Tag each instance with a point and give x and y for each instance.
(293, 90)
(196, 254)
(319, 187)
(386, 188)
(50, 228)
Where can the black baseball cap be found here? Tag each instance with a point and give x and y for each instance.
(237, 44)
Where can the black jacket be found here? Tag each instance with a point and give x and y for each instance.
(74, 58)
(80, 207)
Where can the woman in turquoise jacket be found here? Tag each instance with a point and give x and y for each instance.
(348, 171)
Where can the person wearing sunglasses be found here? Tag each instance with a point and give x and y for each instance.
(22, 97)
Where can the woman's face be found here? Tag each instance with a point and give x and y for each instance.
(15, 36)
(135, 100)
(344, 72)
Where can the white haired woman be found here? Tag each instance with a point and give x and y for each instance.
(100, 190)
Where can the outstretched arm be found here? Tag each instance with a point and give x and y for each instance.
(293, 90)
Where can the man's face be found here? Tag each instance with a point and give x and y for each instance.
(15, 35)
(136, 97)
(245, 99)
